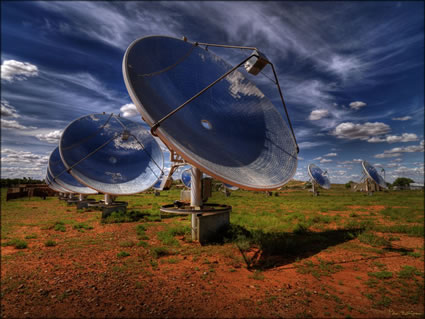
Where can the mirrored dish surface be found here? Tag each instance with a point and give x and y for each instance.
(318, 176)
(230, 187)
(232, 132)
(186, 177)
(372, 173)
(159, 185)
(65, 179)
(111, 154)
(53, 185)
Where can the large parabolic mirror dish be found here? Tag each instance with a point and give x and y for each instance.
(319, 176)
(111, 154)
(231, 132)
(63, 178)
(373, 174)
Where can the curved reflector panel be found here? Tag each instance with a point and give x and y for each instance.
(53, 185)
(318, 176)
(111, 154)
(186, 177)
(63, 178)
(373, 174)
(232, 132)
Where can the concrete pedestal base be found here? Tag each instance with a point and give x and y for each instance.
(208, 223)
(85, 203)
(114, 207)
(210, 226)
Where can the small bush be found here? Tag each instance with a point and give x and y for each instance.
(50, 243)
(123, 254)
(257, 275)
(18, 243)
(140, 230)
(159, 252)
(59, 226)
(31, 236)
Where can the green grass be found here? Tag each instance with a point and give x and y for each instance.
(59, 226)
(31, 236)
(128, 243)
(408, 272)
(17, 243)
(381, 274)
(123, 254)
(158, 252)
(323, 268)
(372, 239)
(82, 226)
(50, 243)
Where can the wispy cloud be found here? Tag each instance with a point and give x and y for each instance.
(403, 118)
(357, 105)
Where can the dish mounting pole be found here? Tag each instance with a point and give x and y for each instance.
(195, 196)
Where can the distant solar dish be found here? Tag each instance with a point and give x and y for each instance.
(63, 178)
(110, 154)
(231, 132)
(319, 176)
(230, 187)
(373, 174)
(186, 177)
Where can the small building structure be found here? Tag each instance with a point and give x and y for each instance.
(416, 186)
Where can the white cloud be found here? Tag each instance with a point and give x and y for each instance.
(8, 110)
(318, 114)
(387, 155)
(405, 137)
(396, 151)
(351, 131)
(404, 118)
(12, 124)
(331, 154)
(317, 158)
(357, 105)
(15, 70)
(51, 137)
(357, 160)
(325, 160)
(129, 110)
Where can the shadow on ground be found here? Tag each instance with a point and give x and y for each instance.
(268, 250)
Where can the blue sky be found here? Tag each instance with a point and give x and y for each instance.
(352, 73)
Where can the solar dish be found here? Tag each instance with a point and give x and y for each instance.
(186, 177)
(63, 178)
(231, 187)
(373, 174)
(53, 185)
(110, 154)
(319, 176)
(232, 132)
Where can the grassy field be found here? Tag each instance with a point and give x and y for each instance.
(341, 254)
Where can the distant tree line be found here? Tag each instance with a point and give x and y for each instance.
(400, 182)
(9, 182)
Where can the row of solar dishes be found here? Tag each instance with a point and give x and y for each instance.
(232, 133)
(321, 178)
(105, 153)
